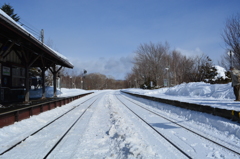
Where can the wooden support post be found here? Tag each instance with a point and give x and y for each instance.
(43, 68)
(27, 66)
(43, 82)
(26, 83)
(54, 81)
(55, 72)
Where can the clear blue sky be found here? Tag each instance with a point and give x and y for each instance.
(102, 35)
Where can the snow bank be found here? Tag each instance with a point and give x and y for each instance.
(193, 89)
(221, 72)
(214, 95)
(63, 92)
(201, 89)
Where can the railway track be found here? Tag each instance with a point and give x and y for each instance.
(89, 103)
(55, 145)
(111, 124)
(166, 137)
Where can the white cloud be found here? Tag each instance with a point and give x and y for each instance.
(115, 67)
(190, 53)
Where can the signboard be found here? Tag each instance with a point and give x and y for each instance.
(6, 71)
(165, 82)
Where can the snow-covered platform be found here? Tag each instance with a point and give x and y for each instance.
(229, 114)
(216, 99)
(20, 111)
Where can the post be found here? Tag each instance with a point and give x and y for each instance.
(42, 36)
(55, 72)
(54, 81)
(81, 82)
(84, 72)
(70, 82)
(27, 83)
(43, 82)
(230, 53)
(167, 76)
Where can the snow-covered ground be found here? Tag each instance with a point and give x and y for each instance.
(215, 95)
(63, 92)
(110, 130)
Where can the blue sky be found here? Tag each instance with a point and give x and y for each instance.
(102, 35)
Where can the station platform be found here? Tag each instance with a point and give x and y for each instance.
(13, 112)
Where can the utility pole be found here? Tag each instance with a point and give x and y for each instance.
(42, 36)
(231, 54)
(84, 72)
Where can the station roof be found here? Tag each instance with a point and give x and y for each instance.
(23, 39)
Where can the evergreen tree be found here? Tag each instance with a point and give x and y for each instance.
(8, 9)
(210, 73)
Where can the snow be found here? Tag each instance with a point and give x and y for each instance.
(9, 18)
(110, 130)
(221, 72)
(63, 92)
(214, 95)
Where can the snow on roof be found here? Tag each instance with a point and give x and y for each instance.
(63, 58)
(9, 18)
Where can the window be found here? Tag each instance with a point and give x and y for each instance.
(18, 76)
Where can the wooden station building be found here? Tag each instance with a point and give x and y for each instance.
(19, 51)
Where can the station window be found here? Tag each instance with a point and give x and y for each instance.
(18, 76)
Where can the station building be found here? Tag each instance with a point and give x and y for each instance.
(20, 51)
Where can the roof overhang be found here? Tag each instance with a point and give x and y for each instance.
(12, 31)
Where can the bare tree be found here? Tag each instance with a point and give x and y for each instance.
(154, 62)
(132, 81)
(149, 63)
(95, 81)
(91, 81)
(185, 69)
(202, 69)
(180, 66)
(231, 37)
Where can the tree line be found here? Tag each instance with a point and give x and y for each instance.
(156, 65)
(92, 81)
